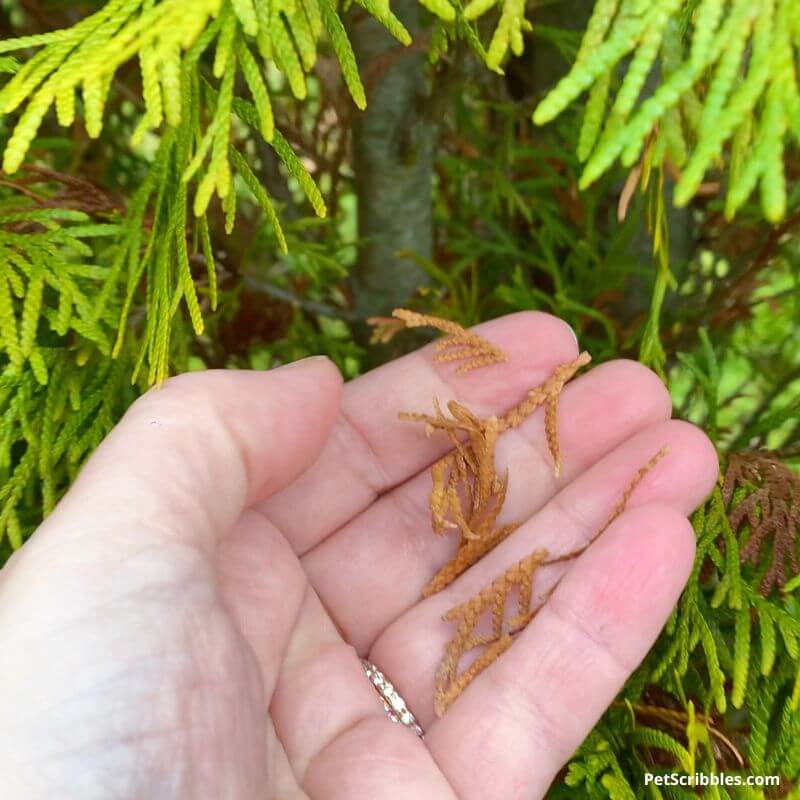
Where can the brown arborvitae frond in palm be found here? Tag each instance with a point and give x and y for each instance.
(384, 329)
(621, 505)
(460, 344)
(640, 475)
(763, 498)
(468, 616)
(468, 554)
(547, 394)
(449, 681)
(467, 494)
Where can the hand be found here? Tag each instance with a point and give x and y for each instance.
(188, 622)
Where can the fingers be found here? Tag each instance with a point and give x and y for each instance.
(517, 723)
(371, 761)
(412, 647)
(189, 456)
(371, 450)
(332, 725)
(320, 703)
(388, 553)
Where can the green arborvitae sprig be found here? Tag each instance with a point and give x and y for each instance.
(163, 263)
(260, 194)
(47, 249)
(508, 33)
(383, 13)
(742, 56)
(85, 58)
(249, 114)
(60, 393)
(46, 432)
(344, 52)
(463, 29)
(258, 89)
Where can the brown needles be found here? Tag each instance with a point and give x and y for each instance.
(467, 497)
(467, 493)
(495, 598)
(764, 495)
(459, 345)
(547, 394)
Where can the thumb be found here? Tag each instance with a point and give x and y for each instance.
(188, 457)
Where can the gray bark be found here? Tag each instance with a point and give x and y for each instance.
(393, 152)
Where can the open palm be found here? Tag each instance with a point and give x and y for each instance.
(189, 622)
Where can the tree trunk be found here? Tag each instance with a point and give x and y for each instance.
(394, 146)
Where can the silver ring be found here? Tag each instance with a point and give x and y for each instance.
(396, 708)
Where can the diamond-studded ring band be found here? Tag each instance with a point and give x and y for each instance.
(396, 708)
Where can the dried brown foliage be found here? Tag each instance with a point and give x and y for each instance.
(495, 597)
(763, 499)
(467, 493)
(547, 394)
(384, 329)
(640, 475)
(460, 344)
(71, 192)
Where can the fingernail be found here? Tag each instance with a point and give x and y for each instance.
(303, 362)
(574, 335)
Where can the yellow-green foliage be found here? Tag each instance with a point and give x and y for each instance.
(381, 11)
(508, 33)
(53, 257)
(86, 56)
(197, 157)
(59, 390)
(47, 430)
(168, 38)
(720, 690)
(740, 56)
(89, 53)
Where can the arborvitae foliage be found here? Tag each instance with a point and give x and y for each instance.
(719, 692)
(763, 495)
(194, 108)
(742, 55)
(178, 192)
